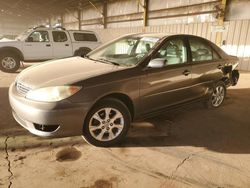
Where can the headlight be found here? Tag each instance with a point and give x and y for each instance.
(52, 94)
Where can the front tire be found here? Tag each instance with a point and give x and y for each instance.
(107, 123)
(218, 95)
(9, 62)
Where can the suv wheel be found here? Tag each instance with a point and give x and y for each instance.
(82, 52)
(107, 123)
(218, 95)
(9, 62)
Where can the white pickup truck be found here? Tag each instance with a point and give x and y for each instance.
(39, 44)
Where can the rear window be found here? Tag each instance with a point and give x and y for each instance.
(85, 37)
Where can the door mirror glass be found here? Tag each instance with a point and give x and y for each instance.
(157, 63)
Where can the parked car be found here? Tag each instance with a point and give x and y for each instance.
(43, 43)
(133, 77)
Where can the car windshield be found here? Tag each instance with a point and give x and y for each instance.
(127, 51)
(23, 35)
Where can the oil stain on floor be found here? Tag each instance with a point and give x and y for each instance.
(68, 154)
(101, 183)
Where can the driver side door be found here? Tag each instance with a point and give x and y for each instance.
(37, 46)
(170, 84)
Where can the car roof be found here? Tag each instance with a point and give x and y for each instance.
(60, 29)
(163, 35)
(156, 35)
(88, 31)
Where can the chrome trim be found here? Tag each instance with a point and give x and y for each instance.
(178, 89)
(22, 88)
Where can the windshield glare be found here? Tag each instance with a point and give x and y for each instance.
(127, 51)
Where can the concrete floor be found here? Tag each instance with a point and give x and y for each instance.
(189, 147)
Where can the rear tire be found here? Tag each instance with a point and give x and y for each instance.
(9, 62)
(218, 95)
(82, 52)
(107, 123)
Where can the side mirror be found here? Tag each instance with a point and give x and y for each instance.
(29, 39)
(157, 63)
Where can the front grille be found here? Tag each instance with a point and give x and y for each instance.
(21, 88)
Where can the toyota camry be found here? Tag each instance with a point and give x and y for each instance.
(130, 78)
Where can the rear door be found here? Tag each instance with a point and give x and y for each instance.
(169, 85)
(206, 65)
(62, 46)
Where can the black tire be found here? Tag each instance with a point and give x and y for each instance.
(210, 102)
(14, 58)
(90, 120)
(82, 52)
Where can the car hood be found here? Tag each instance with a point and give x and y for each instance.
(10, 43)
(6, 40)
(63, 72)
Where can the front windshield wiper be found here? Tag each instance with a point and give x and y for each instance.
(108, 61)
(86, 56)
(103, 60)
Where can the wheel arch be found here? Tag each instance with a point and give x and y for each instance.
(12, 50)
(123, 98)
(223, 79)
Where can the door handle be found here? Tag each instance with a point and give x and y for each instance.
(220, 66)
(186, 72)
(48, 45)
(66, 44)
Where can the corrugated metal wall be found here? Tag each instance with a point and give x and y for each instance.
(13, 28)
(236, 35)
(157, 8)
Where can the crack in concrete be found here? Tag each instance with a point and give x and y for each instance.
(172, 177)
(8, 161)
(183, 161)
(180, 164)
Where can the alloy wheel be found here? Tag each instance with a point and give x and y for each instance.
(106, 124)
(8, 63)
(218, 96)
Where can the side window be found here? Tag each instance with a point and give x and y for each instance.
(144, 47)
(85, 37)
(38, 36)
(59, 36)
(124, 47)
(201, 51)
(173, 51)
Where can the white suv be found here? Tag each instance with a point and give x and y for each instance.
(41, 43)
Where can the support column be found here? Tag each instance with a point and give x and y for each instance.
(62, 21)
(220, 21)
(79, 18)
(145, 13)
(104, 14)
(50, 21)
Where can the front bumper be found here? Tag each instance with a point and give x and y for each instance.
(47, 119)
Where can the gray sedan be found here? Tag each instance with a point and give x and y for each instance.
(130, 78)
